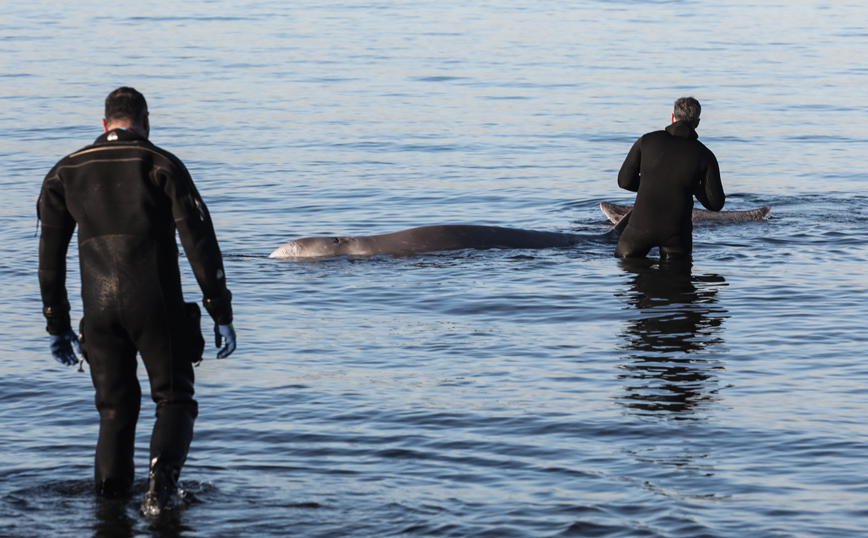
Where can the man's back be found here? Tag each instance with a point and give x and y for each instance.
(672, 164)
(111, 187)
(666, 169)
(126, 196)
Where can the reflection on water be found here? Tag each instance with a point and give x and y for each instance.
(113, 518)
(671, 369)
(121, 518)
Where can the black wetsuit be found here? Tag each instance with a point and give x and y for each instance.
(666, 169)
(127, 197)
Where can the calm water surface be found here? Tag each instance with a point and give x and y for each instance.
(483, 393)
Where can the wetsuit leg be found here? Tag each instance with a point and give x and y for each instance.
(165, 350)
(112, 359)
(678, 247)
(633, 244)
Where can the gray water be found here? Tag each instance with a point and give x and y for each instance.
(500, 393)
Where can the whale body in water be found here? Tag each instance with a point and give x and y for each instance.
(425, 239)
(466, 236)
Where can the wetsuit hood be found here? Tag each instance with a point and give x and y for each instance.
(682, 129)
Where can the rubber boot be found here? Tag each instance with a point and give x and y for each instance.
(162, 487)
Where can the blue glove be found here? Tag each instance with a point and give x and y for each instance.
(227, 333)
(61, 348)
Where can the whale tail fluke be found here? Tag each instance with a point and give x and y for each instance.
(616, 213)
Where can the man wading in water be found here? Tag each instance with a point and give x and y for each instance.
(127, 197)
(667, 169)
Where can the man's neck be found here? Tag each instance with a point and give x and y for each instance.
(127, 126)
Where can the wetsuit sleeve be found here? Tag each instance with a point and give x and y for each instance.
(57, 228)
(200, 243)
(628, 176)
(709, 192)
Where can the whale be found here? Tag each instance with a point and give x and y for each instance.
(447, 237)
(426, 239)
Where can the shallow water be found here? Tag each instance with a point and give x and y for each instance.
(482, 393)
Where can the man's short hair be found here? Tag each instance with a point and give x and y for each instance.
(125, 104)
(687, 109)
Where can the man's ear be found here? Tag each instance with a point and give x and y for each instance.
(104, 126)
(695, 125)
(673, 118)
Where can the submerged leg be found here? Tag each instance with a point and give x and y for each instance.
(112, 360)
(679, 247)
(632, 243)
(166, 352)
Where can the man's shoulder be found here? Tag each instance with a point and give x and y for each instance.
(702, 147)
(124, 148)
(103, 154)
(708, 153)
(70, 159)
(654, 136)
(171, 157)
(162, 151)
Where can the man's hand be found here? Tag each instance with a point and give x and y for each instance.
(227, 333)
(61, 348)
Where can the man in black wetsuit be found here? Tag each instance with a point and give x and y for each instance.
(127, 197)
(667, 169)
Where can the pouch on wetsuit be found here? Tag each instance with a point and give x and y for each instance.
(197, 341)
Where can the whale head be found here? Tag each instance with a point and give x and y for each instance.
(308, 247)
(323, 247)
